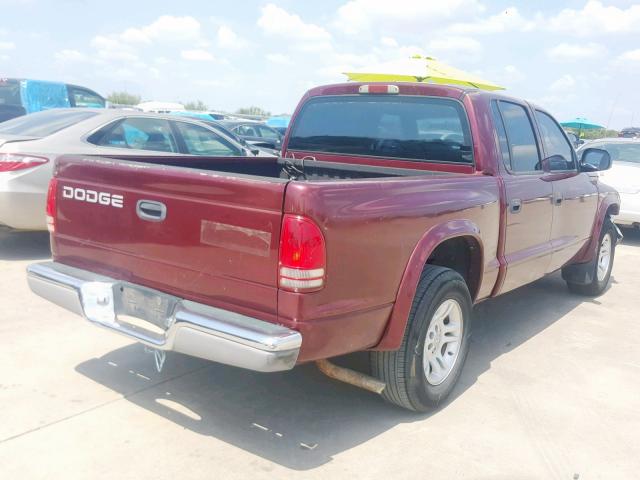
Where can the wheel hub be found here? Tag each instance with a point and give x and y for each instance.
(604, 257)
(442, 341)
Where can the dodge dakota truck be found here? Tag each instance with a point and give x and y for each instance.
(393, 209)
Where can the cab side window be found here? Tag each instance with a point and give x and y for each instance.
(558, 150)
(523, 149)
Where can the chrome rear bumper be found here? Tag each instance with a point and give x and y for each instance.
(166, 322)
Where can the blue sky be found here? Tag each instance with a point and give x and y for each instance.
(577, 58)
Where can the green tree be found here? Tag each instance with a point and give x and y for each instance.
(253, 110)
(124, 98)
(595, 133)
(198, 105)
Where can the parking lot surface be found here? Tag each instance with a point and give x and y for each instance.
(551, 390)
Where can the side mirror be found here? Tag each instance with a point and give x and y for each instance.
(557, 163)
(594, 160)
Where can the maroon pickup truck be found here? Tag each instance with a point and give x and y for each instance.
(393, 209)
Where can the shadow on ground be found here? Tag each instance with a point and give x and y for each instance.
(24, 245)
(301, 419)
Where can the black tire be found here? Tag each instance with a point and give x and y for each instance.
(595, 286)
(402, 370)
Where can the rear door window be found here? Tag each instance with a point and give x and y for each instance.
(412, 128)
(138, 133)
(202, 141)
(246, 131)
(523, 148)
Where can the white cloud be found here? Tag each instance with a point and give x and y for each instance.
(279, 58)
(68, 55)
(512, 74)
(110, 48)
(196, 55)
(389, 42)
(229, 39)
(630, 56)
(455, 44)
(568, 51)
(276, 21)
(564, 83)
(166, 28)
(7, 45)
(507, 20)
(595, 18)
(357, 16)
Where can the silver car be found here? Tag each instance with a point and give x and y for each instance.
(29, 146)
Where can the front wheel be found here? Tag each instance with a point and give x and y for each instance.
(601, 270)
(423, 372)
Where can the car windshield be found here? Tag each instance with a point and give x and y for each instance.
(623, 152)
(411, 128)
(43, 124)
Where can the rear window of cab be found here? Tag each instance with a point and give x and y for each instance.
(423, 129)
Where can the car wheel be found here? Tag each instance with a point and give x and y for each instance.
(421, 374)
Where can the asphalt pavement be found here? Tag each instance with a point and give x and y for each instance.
(551, 390)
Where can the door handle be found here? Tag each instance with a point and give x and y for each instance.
(515, 205)
(151, 211)
(557, 199)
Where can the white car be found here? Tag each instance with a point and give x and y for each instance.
(30, 144)
(624, 176)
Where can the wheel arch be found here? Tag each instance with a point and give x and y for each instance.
(610, 205)
(455, 244)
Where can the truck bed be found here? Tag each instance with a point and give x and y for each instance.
(219, 242)
(280, 168)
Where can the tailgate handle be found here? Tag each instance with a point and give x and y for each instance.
(151, 211)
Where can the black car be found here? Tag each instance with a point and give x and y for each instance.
(255, 133)
(630, 132)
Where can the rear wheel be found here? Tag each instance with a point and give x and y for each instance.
(601, 274)
(421, 374)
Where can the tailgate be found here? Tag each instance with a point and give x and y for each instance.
(205, 236)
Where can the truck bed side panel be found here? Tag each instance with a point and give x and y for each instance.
(371, 230)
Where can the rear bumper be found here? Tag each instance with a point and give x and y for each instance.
(166, 322)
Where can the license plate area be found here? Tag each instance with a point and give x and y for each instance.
(144, 310)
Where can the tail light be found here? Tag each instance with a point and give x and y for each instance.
(302, 255)
(52, 194)
(10, 162)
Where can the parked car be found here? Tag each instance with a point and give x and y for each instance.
(199, 115)
(624, 176)
(30, 144)
(21, 96)
(630, 132)
(279, 123)
(395, 209)
(256, 133)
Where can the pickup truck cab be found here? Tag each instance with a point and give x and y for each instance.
(394, 208)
